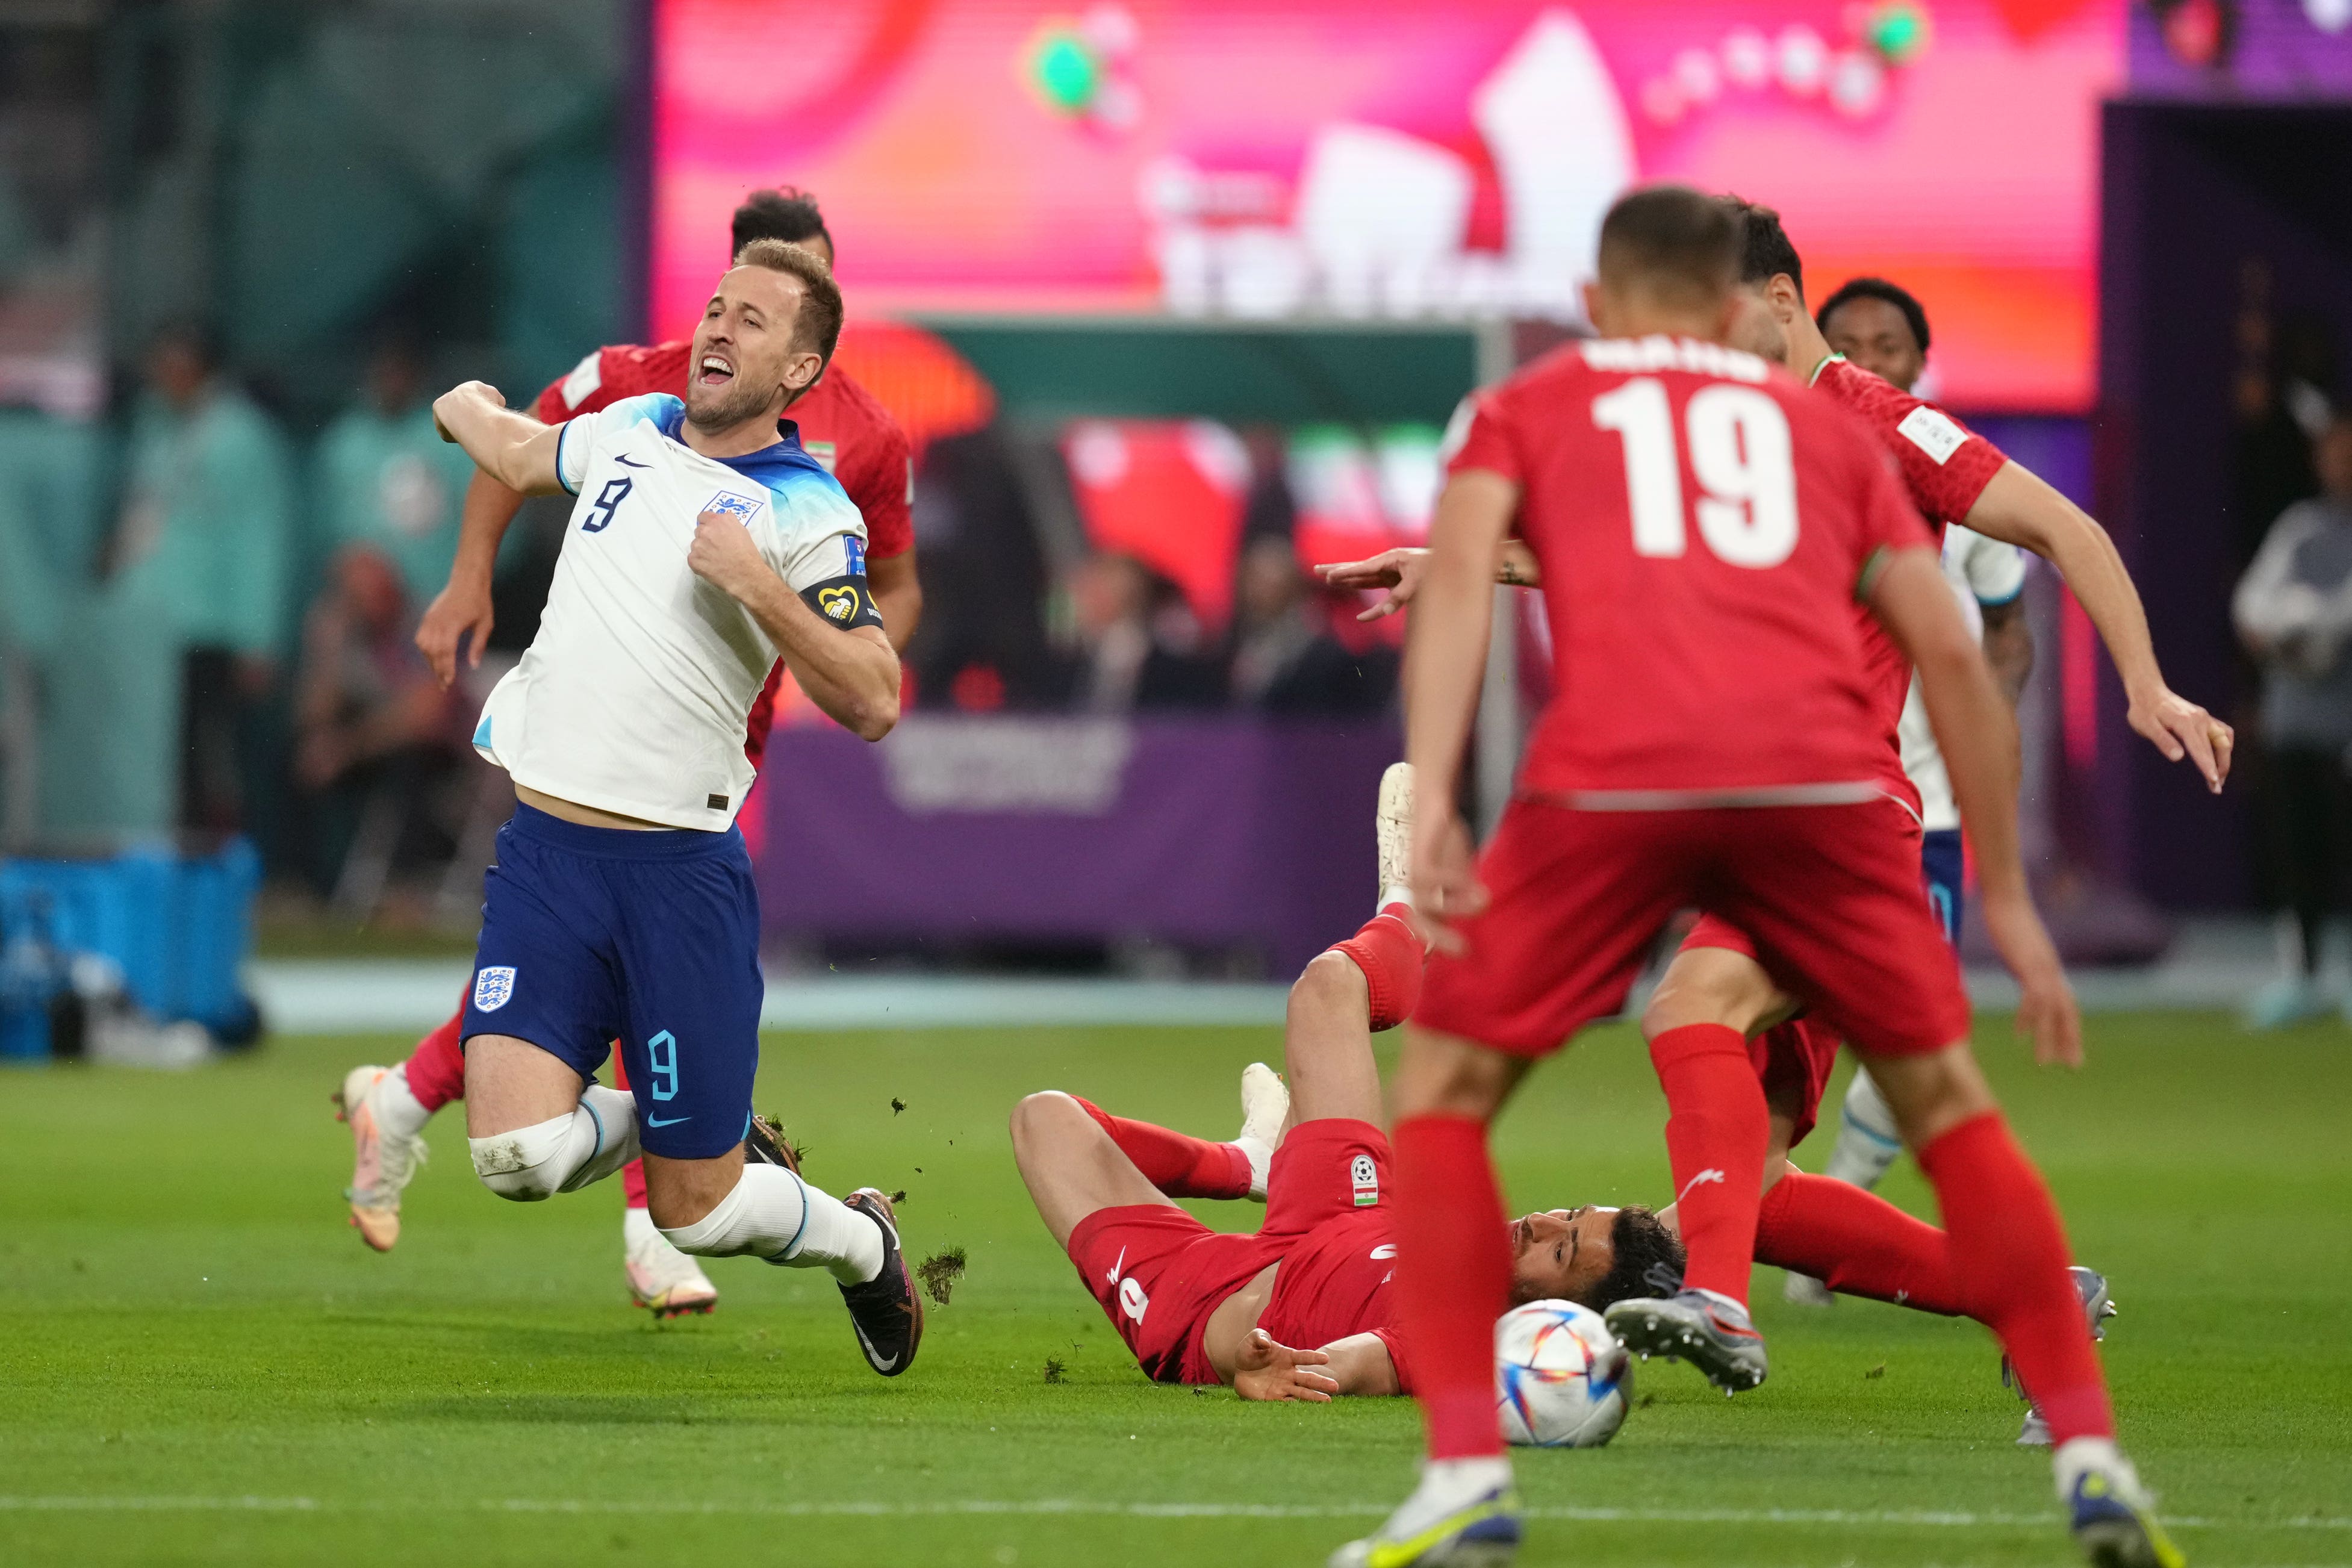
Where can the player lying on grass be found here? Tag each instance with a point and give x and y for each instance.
(1201, 1306)
(852, 435)
(705, 545)
(1198, 1306)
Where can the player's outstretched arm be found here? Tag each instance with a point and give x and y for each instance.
(461, 613)
(1444, 656)
(505, 443)
(850, 672)
(1399, 571)
(2019, 506)
(1977, 735)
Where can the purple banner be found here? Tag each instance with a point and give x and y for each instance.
(1214, 833)
(2242, 51)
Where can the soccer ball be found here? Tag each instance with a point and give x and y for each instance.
(1561, 1376)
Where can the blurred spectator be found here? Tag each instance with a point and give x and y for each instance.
(1138, 645)
(1285, 656)
(374, 731)
(387, 480)
(2294, 609)
(205, 537)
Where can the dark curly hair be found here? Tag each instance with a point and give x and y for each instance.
(789, 215)
(1894, 294)
(1648, 1260)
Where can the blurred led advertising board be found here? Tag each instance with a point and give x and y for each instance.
(1277, 158)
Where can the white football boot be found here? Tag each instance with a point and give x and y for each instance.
(662, 1280)
(383, 1162)
(1392, 829)
(1265, 1105)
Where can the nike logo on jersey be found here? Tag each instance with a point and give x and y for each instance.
(630, 462)
(1386, 1249)
(1113, 1278)
(666, 1120)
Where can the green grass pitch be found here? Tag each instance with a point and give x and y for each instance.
(199, 1363)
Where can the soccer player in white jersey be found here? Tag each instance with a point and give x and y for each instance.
(706, 543)
(1881, 327)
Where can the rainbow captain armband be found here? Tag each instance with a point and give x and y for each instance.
(843, 602)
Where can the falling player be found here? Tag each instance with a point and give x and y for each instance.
(1302, 1308)
(705, 544)
(1713, 738)
(847, 431)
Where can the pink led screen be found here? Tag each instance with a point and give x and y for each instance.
(1271, 158)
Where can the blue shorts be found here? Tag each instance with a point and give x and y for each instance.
(1944, 866)
(651, 937)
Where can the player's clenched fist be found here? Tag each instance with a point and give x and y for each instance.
(723, 555)
(450, 403)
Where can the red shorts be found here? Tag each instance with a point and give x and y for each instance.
(1830, 896)
(1158, 1273)
(1794, 1061)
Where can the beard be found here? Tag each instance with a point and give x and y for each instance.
(724, 408)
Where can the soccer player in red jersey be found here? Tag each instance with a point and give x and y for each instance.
(1303, 1308)
(846, 430)
(1703, 527)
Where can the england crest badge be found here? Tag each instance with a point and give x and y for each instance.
(493, 987)
(741, 508)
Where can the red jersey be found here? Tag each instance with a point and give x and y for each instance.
(1704, 526)
(1945, 467)
(1336, 1280)
(842, 426)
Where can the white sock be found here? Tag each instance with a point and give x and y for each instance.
(637, 1228)
(397, 1110)
(563, 1154)
(774, 1215)
(839, 1238)
(1260, 1154)
(1867, 1139)
(1396, 895)
(2077, 1455)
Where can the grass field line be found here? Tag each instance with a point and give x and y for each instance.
(1931, 1518)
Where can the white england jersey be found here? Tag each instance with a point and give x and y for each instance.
(633, 697)
(1982, 573)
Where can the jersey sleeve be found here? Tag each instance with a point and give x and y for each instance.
(823, 553)
(1481, 435)
(1945, 465)
(576, 446)
(881, 485)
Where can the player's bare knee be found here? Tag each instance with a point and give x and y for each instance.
(1708, 986)
(1039, 1116)
(1932, 1093)
(1330, 981)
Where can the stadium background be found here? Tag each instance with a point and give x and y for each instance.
(1188, 285)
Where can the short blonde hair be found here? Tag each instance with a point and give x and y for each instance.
(818, 325)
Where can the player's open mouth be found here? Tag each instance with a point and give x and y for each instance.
(715, 371)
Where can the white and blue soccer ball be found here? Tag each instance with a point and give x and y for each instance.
(1561, 1379)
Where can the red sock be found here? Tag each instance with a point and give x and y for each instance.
(1179, 1166)
(1854, 1241)
(633, 1175)
(1454, 1278)
(436, 1067)
(2009, 1255)
(1717, 1127)
(1390, 953)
